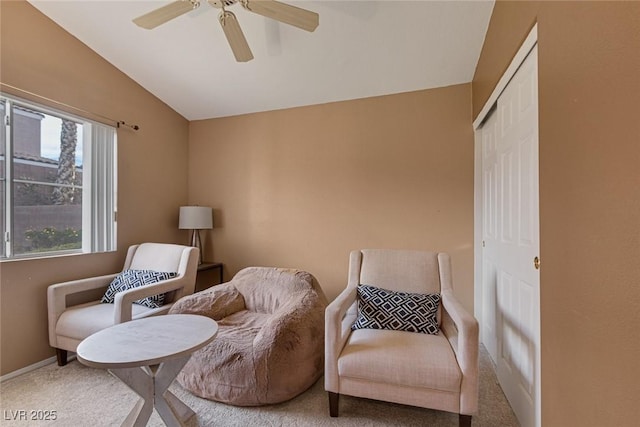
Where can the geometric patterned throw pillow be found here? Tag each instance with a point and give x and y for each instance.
(130, 279)
(399, 311)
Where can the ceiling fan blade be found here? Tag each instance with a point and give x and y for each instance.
(165, 13)
(235, 37)
(292, 15)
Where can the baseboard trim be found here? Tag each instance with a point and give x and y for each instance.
(33, 367)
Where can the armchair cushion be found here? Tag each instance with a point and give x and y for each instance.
(399, 311)
(130, 279)
(80, 321)
(389, 357)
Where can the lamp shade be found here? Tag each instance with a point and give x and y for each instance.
(195, 218)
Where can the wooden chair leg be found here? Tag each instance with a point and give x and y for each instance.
(61, 355)
(464, 420)
(333, 403)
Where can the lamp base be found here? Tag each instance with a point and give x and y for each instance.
(197, 243)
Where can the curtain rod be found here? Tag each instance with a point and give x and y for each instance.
(119, 123)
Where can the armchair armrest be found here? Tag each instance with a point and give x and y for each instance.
(123, 300)
(57, 293)
(57, 297)
(461, 329)
(337, 329)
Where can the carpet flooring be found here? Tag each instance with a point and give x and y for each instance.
(86, 397)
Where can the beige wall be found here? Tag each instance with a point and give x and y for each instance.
(304, 186)
(298, 187)
(589, 89)
(38, 56)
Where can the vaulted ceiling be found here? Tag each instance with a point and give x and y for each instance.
(360, 49)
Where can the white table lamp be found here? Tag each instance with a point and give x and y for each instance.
(196, 218)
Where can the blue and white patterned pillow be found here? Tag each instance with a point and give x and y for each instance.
(399, 311)
(130, 279)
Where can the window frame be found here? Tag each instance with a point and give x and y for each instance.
(99, 172)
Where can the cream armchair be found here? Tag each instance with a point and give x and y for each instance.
(73, 317)
(430, 371)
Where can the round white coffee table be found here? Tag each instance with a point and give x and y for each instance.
(147, 355)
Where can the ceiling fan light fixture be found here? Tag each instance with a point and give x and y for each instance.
(292, 15)
(165, 13)
(235, 36)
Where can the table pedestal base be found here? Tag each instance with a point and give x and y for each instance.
(152, 384)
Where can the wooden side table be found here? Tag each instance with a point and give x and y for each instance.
(147, 355)
(204, 277)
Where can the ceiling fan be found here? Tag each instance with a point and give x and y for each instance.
(281, 12)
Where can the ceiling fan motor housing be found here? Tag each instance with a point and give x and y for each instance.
(222, 3)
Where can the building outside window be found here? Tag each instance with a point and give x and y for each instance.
(57, 182)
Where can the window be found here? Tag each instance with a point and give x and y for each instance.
(57, 182)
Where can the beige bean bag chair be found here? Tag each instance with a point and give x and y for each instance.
(270, 343)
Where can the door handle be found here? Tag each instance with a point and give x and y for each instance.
(536, 263)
